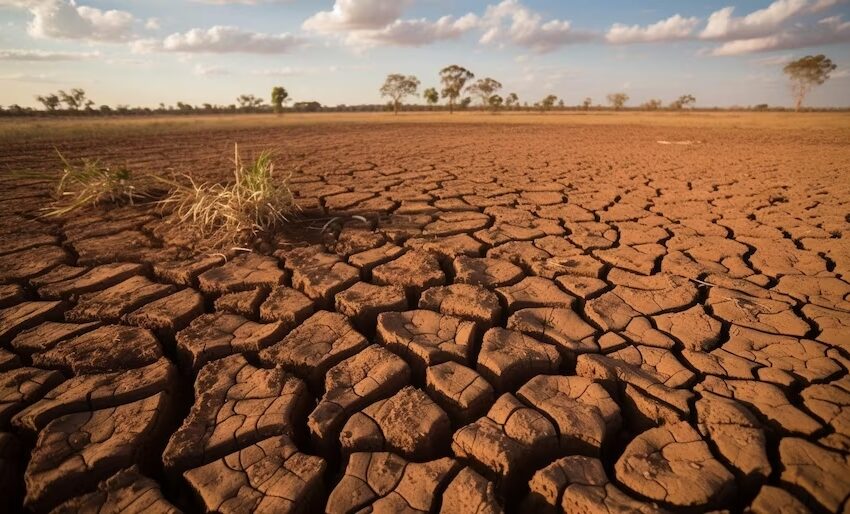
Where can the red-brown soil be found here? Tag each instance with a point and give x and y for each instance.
(534, 318)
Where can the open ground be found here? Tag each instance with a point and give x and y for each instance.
(574, 313)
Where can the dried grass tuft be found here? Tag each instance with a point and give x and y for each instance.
(92, 184)
(255, 202)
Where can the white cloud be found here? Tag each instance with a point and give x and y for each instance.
(829, 31)
(41, 55)
(242, 2)
(822, 5)
(758, 24)
(204, 71)
(512, 22)
(152, 24)
(673, 28)
(357, 15)
(64, 19)
(220, 39)
(415, 32)
(368, 23)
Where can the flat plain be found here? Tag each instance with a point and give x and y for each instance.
(584, 312)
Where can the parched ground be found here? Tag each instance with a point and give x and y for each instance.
(535, 317)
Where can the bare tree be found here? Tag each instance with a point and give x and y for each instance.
(431, 96)
(618, 100)
(484, 89)
(454, 78)
(682, 102)
(806, 73)
(398, 86)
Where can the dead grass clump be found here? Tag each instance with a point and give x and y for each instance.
(92, 184)
(255, 202)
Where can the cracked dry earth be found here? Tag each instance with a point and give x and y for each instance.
(534, 319)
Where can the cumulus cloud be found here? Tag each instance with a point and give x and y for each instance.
(220, 40)
(723, 25)
(367, 23)
(828, 31)
(673, 28)
(416, 32)
(349, 15)
(822, 5)
(64, 19)
(41, 55)
(512, 22)
(242, 2)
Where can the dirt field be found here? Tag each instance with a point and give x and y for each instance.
(561, 313)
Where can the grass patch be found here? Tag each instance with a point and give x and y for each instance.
(92, 184)
(255, 202)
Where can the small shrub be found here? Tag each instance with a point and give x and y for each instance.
(256, 201)
(92, 184)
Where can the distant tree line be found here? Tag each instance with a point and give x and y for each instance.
(457, 89)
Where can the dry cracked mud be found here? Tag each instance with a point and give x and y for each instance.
(564, 319)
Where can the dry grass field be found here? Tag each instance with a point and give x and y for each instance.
(579, 312)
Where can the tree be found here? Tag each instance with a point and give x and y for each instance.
(279, 97)
(548, 102)
(75, 99)
(806, 73)
(397, 86)
(249, 102)
(682, 102)
(618, 100)
(50, 102)
(495, 102)
(512, 100)
(454, 78)
(586, 103)
(652, 105)
(431, 96)
(465, 103)
(484, 89)
(561, 103)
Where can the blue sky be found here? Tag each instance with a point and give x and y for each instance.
(143, 52)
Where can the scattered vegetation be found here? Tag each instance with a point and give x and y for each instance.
(806, 73)
(547, 103)
(91, 184)
(249, 103)
(431, 96)
(397, 86)
(682, 102)
(618, 100)
(279, 97)
(256, 201)
(485, 89)
(652, 105)
(454, 78)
